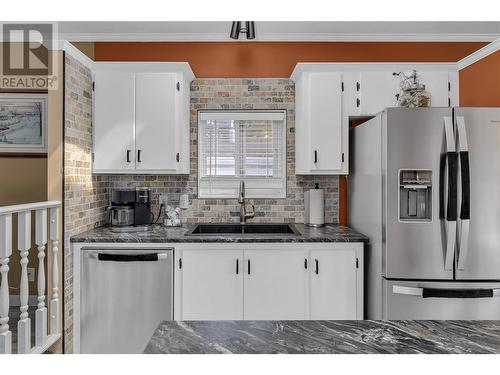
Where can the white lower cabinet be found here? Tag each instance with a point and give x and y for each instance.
(212, 284)
(282, 282)
(274, 285)
(333, 284)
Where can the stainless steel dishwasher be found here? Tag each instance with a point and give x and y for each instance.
(125, 294)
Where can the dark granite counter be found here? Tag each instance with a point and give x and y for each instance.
(162, 234)
(326, 337)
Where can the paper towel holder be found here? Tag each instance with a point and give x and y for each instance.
(314, 217)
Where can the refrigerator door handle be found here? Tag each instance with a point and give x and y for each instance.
(463, 229)
(407, 290)
(451, 185)
(445, 293)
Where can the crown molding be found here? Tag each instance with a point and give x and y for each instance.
(479, 54)
(276, 37)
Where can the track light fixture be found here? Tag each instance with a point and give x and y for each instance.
(246, 27)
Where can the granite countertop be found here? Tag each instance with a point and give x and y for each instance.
(326, 337)
(160, 233)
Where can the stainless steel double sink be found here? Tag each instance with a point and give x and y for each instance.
(243, 229)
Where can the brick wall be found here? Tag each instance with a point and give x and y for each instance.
(271, 93)
(85, 196)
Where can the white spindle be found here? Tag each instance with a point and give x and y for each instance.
(24, 245)
(5, 252)
(41, 311)
(54, 302)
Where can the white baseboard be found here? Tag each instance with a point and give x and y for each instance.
(16, 301)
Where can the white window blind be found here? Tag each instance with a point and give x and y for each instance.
(249, 146)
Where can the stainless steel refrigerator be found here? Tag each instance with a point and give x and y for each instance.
(424, 185)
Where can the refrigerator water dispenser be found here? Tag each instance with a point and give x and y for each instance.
(415, 195)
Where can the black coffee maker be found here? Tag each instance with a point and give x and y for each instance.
(131, 207)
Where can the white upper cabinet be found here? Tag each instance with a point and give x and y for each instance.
(377, 90)
(141, 118)
(320, 134)
(113, 125)
(328, 94)
(371, 92)
(439, 86)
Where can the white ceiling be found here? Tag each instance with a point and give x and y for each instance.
(282, 31)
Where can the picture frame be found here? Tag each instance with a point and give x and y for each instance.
(23, 125)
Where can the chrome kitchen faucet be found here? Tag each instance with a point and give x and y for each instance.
(243, 209)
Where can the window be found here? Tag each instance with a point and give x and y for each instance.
(235, 146)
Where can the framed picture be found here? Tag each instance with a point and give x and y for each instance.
(23, 124)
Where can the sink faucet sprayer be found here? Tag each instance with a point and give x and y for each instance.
(243, 209)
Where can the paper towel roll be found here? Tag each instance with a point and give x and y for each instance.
(314, 201)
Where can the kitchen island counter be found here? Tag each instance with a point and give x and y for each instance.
(325, 337)
(162, 234)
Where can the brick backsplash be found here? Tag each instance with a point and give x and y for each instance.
(236, 93)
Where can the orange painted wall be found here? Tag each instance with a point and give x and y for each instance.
(480, 83)
(278, 59)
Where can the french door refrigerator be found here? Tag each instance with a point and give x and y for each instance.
(424, 185)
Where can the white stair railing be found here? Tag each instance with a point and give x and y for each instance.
(24, 244)
(42, 340)
(54, 302)
(5, 252)
(41, 311)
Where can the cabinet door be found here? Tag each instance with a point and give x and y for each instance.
(377, 91)
(155, 122)
(436, 83)
(333, 284)
(212, 285)
(274, 286)
(325, 122)
(113, 132)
